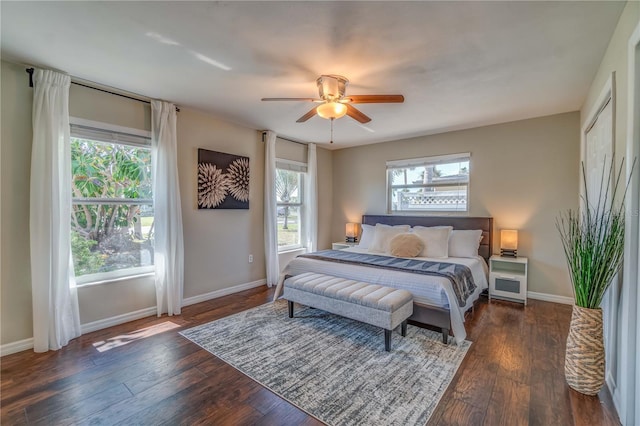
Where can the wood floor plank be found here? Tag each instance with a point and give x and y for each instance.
(80, 408)
(42, 399)
(513, 374)
(459, 413)
(124, 409)
(477, 377)
(509, 404)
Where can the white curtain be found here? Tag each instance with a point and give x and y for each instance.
(56, 318)
(270, 210)
(169, 246)
(311, 200)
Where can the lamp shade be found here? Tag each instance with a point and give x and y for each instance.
(351, 230)
(331, 110)
(509, 239)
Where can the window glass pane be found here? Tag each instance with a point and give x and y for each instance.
(288, 186)
(450, 198)
(289, 226)
(433, 174)
(458, 171)
(106, 235)
(110, 237)
(107, 170)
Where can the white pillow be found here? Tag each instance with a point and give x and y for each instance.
(383, 235)
(366, 238)
(436, 240)
(464, 243)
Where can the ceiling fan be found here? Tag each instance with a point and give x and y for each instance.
(335, 104)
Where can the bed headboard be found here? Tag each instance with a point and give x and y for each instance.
(484, 223)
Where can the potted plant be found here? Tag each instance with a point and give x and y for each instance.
(593, 241)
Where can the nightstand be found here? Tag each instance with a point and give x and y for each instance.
(508, 278)
(342, 246)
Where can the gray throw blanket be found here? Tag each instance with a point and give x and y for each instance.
(459, 275)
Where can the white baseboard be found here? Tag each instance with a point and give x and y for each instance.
(550, 298)
(117, 320)
(223, 292)
(19, 346)
(23, 345)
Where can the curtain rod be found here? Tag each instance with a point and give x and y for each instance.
(30, 72)
(264, 132)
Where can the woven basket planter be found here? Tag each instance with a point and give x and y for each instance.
(584, 360)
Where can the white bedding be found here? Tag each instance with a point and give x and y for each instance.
(426, 289)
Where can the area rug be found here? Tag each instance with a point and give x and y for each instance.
(333, 368)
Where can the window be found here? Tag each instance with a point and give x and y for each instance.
(289, 193)
(112, 207)
(430, 184)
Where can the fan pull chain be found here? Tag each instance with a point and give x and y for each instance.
(331, 141)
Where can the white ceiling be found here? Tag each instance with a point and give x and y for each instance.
(458, 64)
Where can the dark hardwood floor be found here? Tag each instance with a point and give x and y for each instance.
(512, 375)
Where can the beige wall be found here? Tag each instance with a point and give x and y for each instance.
(15, 284)
(217, 242)
(522, 174)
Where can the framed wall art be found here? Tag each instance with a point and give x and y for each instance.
(223, 180)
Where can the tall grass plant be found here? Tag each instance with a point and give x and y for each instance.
(593, 238)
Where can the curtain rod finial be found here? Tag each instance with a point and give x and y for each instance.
(30, 72)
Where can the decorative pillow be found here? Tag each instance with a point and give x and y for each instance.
(383, 235)
(464, 243)
(366, 238)
(406, 245)
(435, 239)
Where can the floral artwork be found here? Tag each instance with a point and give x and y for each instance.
(223, 180)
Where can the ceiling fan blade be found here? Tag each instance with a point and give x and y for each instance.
(374, 99)
(292, 99)
(307, 116)
(356, 114)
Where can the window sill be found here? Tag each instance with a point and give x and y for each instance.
(106, 278)
(292, 250)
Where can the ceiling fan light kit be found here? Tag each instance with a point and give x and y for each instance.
(331, 110)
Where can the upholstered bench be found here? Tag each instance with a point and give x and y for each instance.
(369, 303)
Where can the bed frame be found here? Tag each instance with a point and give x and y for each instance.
(428, 316)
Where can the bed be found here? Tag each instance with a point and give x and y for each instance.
(435, 303)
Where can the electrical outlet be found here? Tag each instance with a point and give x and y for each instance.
(250, 258)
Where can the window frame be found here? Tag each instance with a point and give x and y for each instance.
(95, 131)
(301, 169)
(427, 161)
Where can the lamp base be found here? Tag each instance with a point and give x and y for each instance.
(508, 253)
(351, 239)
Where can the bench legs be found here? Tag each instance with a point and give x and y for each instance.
(387, 335)
(445, 336)
(387, 340)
